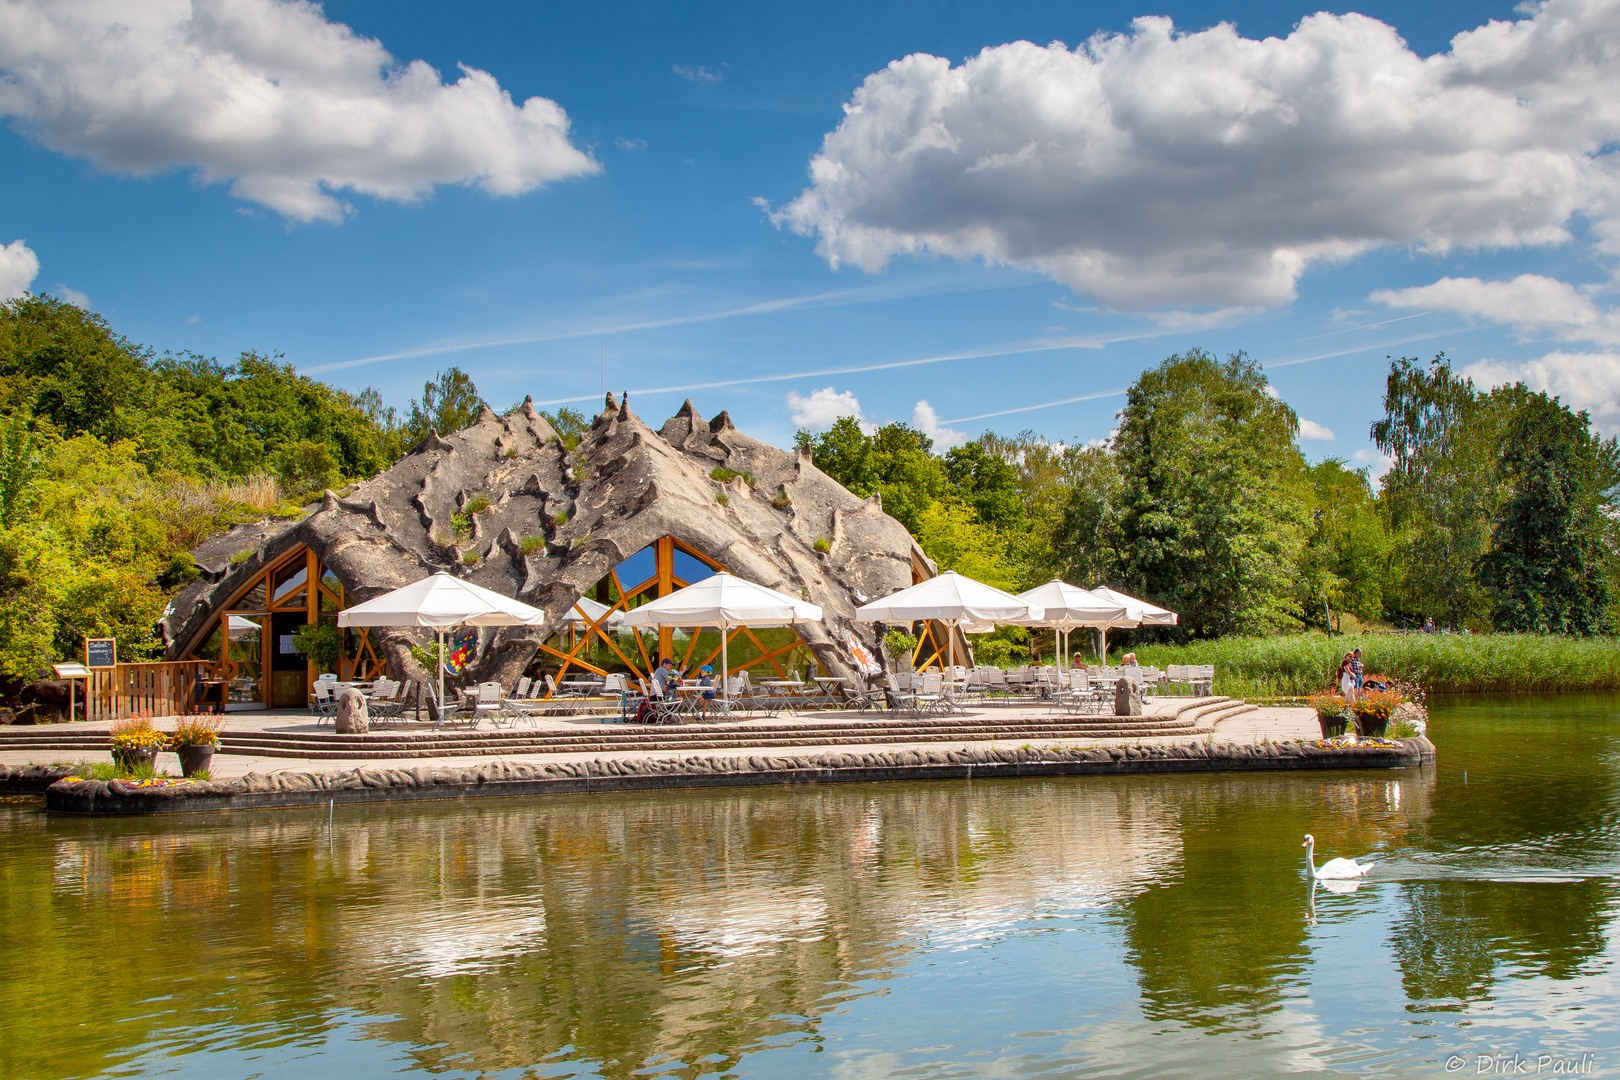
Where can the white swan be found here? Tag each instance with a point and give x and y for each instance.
(1333, 869)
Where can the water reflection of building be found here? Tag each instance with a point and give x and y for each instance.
(695, 925)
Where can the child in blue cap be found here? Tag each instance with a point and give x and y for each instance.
(706, 680)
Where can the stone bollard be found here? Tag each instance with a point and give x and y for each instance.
(1127, 698)
(352, 717)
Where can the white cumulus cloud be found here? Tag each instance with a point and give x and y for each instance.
(72, 296)
(1157, 168)
(926, 420)
(818, 411)
(1311, 430)
(1530, 303)
(1589, 381)
(18, 268)
(269, 96)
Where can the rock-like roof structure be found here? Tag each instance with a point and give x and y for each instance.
(557, 521)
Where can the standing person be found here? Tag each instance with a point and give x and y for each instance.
(1358, 669)
(1347, 677)
(1428, 624)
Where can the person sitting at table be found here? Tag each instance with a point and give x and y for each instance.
(1129, 661)
(665, 679)
(706, 680)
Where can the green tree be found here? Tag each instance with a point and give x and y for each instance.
(988, 482)
(1443, 437)
(1346, 558)
(1085, 542)
(1212, 503)
(19, 467)
(65, 365)
(569, 424)
(895, 461)
(449, 403)
(1551, 539)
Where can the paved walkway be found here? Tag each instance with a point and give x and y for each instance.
(1260, 724)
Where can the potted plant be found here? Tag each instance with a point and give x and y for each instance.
(899, 645)
(135, 744)
(1373, 709)
(194, 740)
(321, 643)
(1331, 713)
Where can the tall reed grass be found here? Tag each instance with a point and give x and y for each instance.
(1299, 664)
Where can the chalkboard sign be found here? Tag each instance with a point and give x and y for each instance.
(100, 652)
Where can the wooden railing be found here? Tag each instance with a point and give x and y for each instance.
(163, 689)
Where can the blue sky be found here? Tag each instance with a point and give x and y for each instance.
(985, 237)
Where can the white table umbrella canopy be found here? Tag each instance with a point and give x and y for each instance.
(441, 602)
(1069, 607)
(1140, 612)
(953, 599)
(724, 602)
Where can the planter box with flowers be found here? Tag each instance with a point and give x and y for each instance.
(195, 738)
(1373, 709)
(1332, 712)
(135, 744)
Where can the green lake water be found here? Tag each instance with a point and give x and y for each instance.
(1146, 926)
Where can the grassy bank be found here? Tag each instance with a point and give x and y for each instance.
(1442, 663)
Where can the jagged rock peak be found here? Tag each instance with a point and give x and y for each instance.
(486, 415)
(688, 411)
(722, 422)
(610, 409)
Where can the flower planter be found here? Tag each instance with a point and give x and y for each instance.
(194, 759)
(1371, 727)
(1332, 726)
(131, 758)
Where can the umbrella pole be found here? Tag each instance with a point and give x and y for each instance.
(725, 672)
(950, 672)
(441, 675)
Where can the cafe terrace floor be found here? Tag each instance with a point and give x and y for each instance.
(292, 741)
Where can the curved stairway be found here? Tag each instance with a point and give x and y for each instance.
(1197, 716)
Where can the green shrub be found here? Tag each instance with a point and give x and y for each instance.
(782, 502)
(240, 557)
(722, 499)
(823, 544)
(469, 557)
(560, 520)
(726, 476)
(531, 544)
(477, 504)
(461, 525)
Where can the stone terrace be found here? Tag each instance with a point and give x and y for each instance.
(291, 741)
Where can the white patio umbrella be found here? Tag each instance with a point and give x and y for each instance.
(588, 611)
(952, 599)
(1140, 612)
(724, 602)
(1069, 607)
(441, 602)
